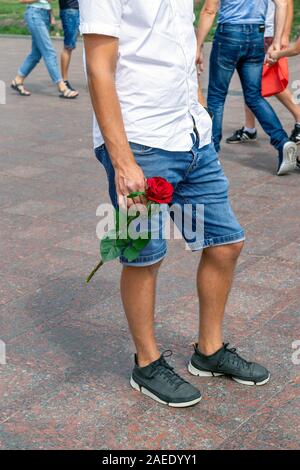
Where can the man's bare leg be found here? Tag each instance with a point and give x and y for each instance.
(138, 285)
(65, 60)
(214, 280)
(211, 358)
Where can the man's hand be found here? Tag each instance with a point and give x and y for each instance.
(273, 57)
(128, 180)
(273, 49)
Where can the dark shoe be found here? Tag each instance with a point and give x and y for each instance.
(160, 382)
(68, 84)
(226, 361)
(241, 136)
(287, 158)
(295, 135)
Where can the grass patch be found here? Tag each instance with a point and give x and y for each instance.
(12, 17)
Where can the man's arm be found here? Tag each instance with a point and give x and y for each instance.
(206, 21)
(101, 60)
(288, 24)
(280, 21)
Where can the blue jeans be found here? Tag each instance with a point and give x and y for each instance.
(199, 183)
(241, 48)
(38, 22)
(70, 21)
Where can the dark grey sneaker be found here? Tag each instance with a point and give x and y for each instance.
(226, 361)
(241, 136)
(160, 382)
(295, 135)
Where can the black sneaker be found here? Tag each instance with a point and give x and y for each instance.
(287, 158)
(226, 361)
(295, 135)
(241, 136)
(160, 382)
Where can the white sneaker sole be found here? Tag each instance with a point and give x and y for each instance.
(154, 397)
(289, 161)
(201, 373)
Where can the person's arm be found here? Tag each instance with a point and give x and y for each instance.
(280, 21)
(101, 59)
(289, 52)
(100, 26)
(288, 24)
(206, 21)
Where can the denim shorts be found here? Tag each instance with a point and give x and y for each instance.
(199, 182)
(70, 22)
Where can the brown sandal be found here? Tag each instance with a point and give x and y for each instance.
(19, 87)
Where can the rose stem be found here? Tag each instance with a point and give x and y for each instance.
(94, 271)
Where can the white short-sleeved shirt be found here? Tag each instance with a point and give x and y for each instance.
(156, 75)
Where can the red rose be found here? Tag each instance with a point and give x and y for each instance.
(159, 190)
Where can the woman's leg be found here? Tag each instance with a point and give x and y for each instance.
(286, 98)
(34, 56)
(41, 36)
(29, 63)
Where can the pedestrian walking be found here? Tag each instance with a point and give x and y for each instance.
(38, 18)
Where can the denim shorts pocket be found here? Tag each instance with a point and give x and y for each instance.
(139, 149)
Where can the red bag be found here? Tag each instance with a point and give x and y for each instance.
(275, 78)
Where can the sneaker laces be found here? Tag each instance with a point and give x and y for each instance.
(233, 358)
(162, 368)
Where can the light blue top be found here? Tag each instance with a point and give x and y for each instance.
(41, 4)
(243, 11)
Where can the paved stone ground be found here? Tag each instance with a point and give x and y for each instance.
(65, 384)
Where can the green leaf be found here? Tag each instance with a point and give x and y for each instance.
(136, 194)
(122, 243)
(140, 243)
(109, 249)
(131, 253)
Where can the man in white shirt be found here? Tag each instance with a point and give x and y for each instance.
(140, 60)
